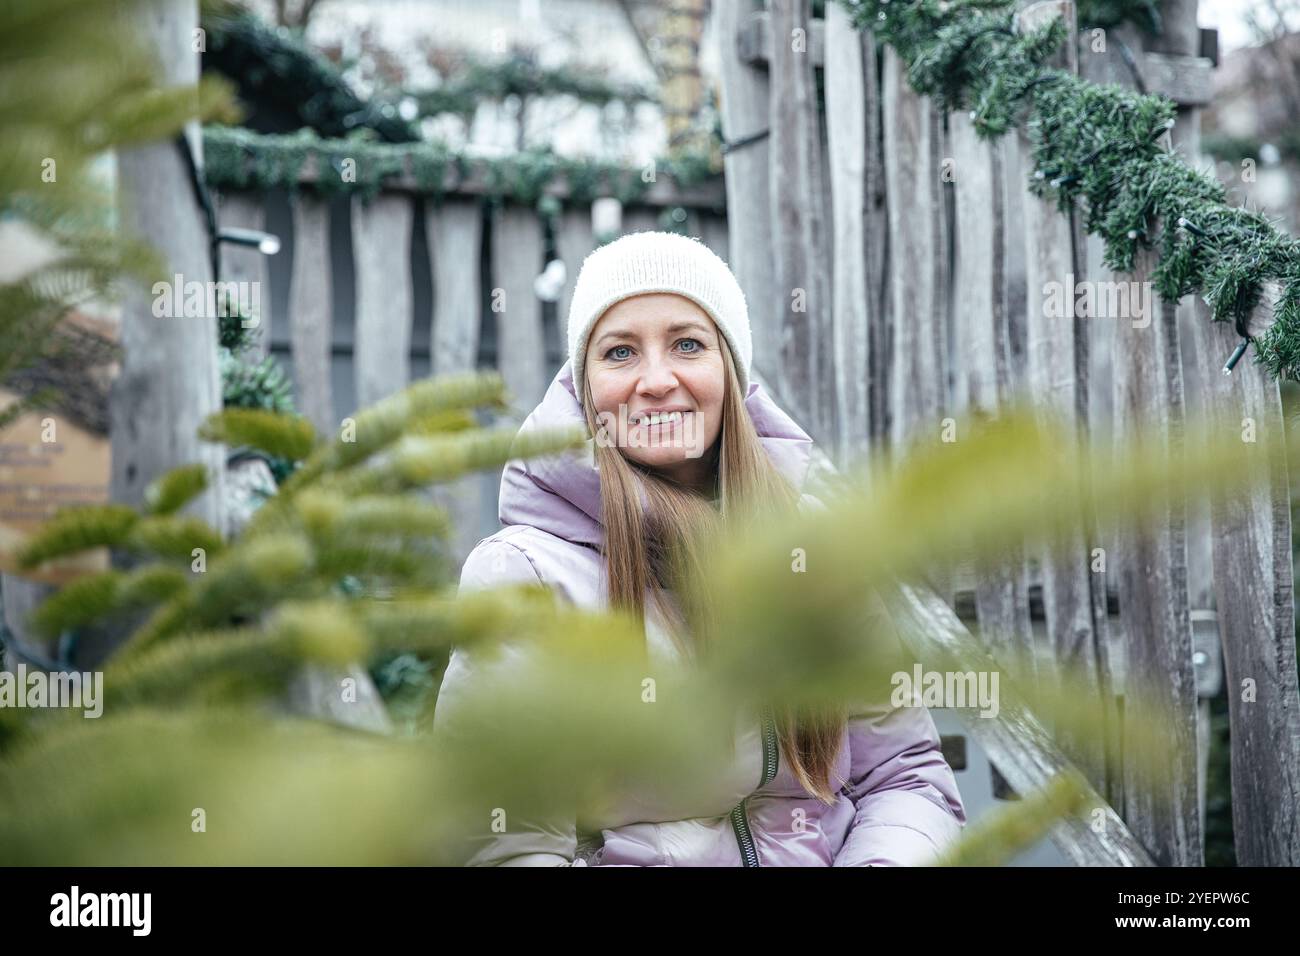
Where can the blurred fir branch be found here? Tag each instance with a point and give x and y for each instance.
(328, 574)
(1016, 827)
(74, 84)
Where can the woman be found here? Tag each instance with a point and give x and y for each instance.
(659, 360)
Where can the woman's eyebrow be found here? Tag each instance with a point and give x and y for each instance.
(672, 329)
(687, 327)
(615, 334)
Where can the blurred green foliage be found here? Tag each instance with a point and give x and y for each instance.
(74, 84)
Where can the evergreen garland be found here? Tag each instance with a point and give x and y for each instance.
(240, 159)
(522, 76)
(1100, 147)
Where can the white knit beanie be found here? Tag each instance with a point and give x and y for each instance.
(658, 262)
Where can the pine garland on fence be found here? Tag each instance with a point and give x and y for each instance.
(241, 159)
(1099, 147)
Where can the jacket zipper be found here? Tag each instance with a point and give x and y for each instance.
(739, 821)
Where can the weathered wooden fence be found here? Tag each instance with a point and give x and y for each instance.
(367, 296)
(896, 276)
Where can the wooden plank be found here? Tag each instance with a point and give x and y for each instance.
(919, 363)
(1187, 80)
(1181, 36)
(805, 382)
(1056, 346)
(1001, 593)
(978, 270)
(1101, 400)
(247, 264)
(1160, 801)
(754, 39)
(516, 263)
(311, 311)
(1253, 586)
(381, 249)
(744, 111)
(576, 240)
(847, 106)
(1018, 744)
(454, 229)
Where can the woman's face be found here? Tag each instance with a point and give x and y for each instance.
(658, 352)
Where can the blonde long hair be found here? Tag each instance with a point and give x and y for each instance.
(666, 544)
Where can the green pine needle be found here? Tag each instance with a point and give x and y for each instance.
(282, 436)
(91, 599)
(74, 530)
(173, 491)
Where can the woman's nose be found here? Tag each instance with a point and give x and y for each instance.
(658, 376)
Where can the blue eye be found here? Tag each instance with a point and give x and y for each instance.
(615, 349)
(694, 342)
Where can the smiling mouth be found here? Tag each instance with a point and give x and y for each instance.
(665, 419)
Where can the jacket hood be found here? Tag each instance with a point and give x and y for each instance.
(560, 494)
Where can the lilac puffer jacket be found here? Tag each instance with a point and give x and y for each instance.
(898, 805)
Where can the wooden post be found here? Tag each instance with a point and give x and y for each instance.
(1073, 582)
(744, 109)
(169, 381)
(311, 311)
(1002, 593)
(576, 240)
(381, 249)
(1253, 586)
(455, 230)
(847, 106)
(1160, 801)
(917, 281)
(516, 263)
(805, 382)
